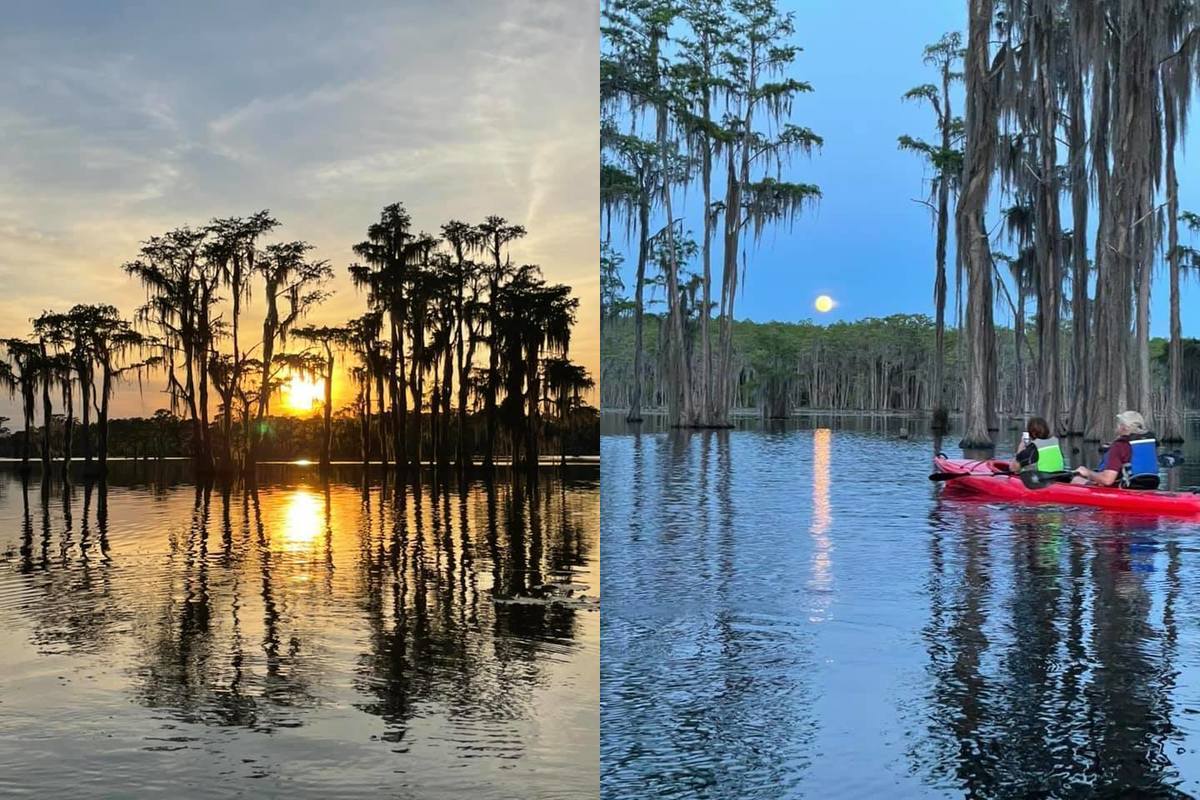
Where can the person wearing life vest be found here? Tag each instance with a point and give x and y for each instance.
(1131, 460)
(1041, 453)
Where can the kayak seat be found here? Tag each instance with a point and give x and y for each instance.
(1141, 482)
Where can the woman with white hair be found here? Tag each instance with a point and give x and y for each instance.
(1131, 460)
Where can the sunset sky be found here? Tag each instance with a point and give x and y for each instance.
(121, 120)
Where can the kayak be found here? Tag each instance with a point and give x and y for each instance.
(991, 479)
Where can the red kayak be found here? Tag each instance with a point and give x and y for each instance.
(991, 479)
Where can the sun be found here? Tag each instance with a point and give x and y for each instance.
(824, 304)
(303, 393)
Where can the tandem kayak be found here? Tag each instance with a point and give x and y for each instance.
(991, 479)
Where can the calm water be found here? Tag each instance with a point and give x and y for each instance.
(345, 639)
(793, 611)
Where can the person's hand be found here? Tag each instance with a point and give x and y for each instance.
(1082, 472)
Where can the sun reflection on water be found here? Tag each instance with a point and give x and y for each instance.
(302, 520)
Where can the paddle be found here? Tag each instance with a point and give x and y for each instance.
(946, 476)
(1034, 480)
(1040, 480)
(1169, 460)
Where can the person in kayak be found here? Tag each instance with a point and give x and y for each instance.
(1131, 461)
(1042, 453)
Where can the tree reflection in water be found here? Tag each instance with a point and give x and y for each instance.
(793, 609)
(1053, 665)
(292, 604)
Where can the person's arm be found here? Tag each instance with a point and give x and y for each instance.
(1024, 458)
(1117, 454)
(1104, 477)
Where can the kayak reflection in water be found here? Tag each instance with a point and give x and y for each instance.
(1039, 450)
(1131, 460)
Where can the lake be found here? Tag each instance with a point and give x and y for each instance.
(339, 638)
(793, 609)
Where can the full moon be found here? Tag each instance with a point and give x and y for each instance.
(824, 303)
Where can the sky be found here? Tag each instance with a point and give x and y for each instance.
(868, 244)
(122, 120)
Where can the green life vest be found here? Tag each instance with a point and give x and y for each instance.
(1050, 457)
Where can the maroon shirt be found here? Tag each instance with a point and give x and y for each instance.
(1119, 453)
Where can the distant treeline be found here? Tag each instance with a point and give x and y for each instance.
(166, 435)
(878, 364)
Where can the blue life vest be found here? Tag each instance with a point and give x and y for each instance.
(1142, 470)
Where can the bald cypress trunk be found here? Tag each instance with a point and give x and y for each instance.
(706, 397)
(1049, 227)
(733, 231)
(635, 401)
(940, 413)
(1127, 243)
(1171, 429)
(364, 419)
(68, 426)
(397, 393)
(1100, 405)
(974, 248)
(102, 418)
(327, 437)
(382, 427)
(1077, 143)
(47, 412)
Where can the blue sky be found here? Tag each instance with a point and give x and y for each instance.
(124, 119)
(867, 244)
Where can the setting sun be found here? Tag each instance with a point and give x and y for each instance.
(824, 303)
(303, 393)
